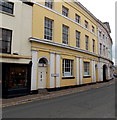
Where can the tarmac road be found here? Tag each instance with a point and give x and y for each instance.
(94, 103)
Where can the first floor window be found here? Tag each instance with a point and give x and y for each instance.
(86, 68)
(77, 38)
(87, 42)
(67, 67)
(48, 29)
(5, 40)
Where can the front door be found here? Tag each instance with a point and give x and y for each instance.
(42, 77)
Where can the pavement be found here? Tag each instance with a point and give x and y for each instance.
(93, 103)
(36, 97)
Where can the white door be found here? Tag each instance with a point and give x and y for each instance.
(42, 77)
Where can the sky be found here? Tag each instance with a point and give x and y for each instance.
(104, 10)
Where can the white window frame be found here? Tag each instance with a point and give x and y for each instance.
(50, 30)
(69, 66)
(86, 68)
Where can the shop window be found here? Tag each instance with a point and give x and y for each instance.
(17, 77)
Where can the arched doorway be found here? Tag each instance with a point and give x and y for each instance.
(104, 72)
(42, 70)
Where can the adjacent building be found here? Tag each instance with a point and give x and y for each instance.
(15, 49)
(105, 51)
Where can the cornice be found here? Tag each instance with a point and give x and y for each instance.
(61, 45)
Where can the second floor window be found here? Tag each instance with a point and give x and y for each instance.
(49, 3)
(86, 24)
(67, 67)
(6, 6)
(5, 40)
(48, 29)
(77, 18)
(65, 11)
(65, 34)
(87, 42)
(93, 29)
(93, 45)
(77, 38)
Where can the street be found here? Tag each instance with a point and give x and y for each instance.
(94, 103)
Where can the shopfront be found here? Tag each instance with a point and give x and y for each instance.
(16, 79)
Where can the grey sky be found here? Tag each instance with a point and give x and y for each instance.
(105, 11)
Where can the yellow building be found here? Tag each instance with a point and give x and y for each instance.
(64, 45)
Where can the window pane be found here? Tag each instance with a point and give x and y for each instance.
(5, 40)
(67, 67)
(7, 7)
(48, 29)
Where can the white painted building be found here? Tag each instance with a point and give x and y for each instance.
(105, 51)
(15, 48)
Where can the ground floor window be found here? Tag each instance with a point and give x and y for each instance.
(67, 67)
(86, 68)
(17, 77)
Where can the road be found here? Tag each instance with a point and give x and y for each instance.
(94, 103)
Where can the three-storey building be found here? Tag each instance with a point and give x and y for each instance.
(105, 51)
(15, 49)
(64, 45)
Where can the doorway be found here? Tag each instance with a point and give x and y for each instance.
(104, 72)
(42, 73)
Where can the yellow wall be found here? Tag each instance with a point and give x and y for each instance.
(39, 14)
(58, 21)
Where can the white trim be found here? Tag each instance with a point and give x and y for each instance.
(45, 58)
(81, 67)
(94, 75)
(63, 16)
(34, 70)
(92, 70)
(77, 71)
(58, 70)
(52, 63)
(61, 45)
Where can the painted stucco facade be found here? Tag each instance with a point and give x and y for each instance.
(55, 51)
